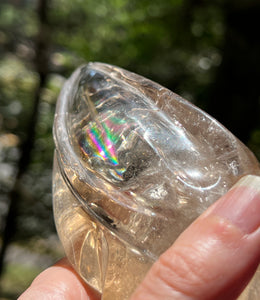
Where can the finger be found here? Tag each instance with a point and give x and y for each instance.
(216, 256)
(59, 282)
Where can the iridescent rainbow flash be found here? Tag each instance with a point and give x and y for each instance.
(101, 138)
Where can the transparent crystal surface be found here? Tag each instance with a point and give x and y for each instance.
(135, 165)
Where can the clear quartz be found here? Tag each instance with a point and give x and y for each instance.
(135, 164)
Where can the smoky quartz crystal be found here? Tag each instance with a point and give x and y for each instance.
(134, 165)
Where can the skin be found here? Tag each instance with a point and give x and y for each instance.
(212, 259)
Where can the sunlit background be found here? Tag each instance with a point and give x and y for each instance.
(206, 51)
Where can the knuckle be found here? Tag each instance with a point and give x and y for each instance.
(184, 272)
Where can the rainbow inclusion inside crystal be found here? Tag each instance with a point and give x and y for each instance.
(100, 140)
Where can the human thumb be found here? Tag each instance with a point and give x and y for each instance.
(216, 256)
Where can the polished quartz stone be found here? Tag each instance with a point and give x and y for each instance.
(135, 164)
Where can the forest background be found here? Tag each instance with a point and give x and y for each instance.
(206, 51)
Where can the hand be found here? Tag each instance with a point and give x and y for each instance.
(212, 259)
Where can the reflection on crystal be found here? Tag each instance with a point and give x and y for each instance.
(135, 165)
(110, 133)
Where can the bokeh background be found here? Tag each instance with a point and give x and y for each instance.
(206, 51)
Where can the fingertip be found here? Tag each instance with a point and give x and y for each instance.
(59, 281)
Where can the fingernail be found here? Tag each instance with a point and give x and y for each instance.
(241, 205)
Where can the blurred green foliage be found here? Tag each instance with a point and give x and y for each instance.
(180, 44)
